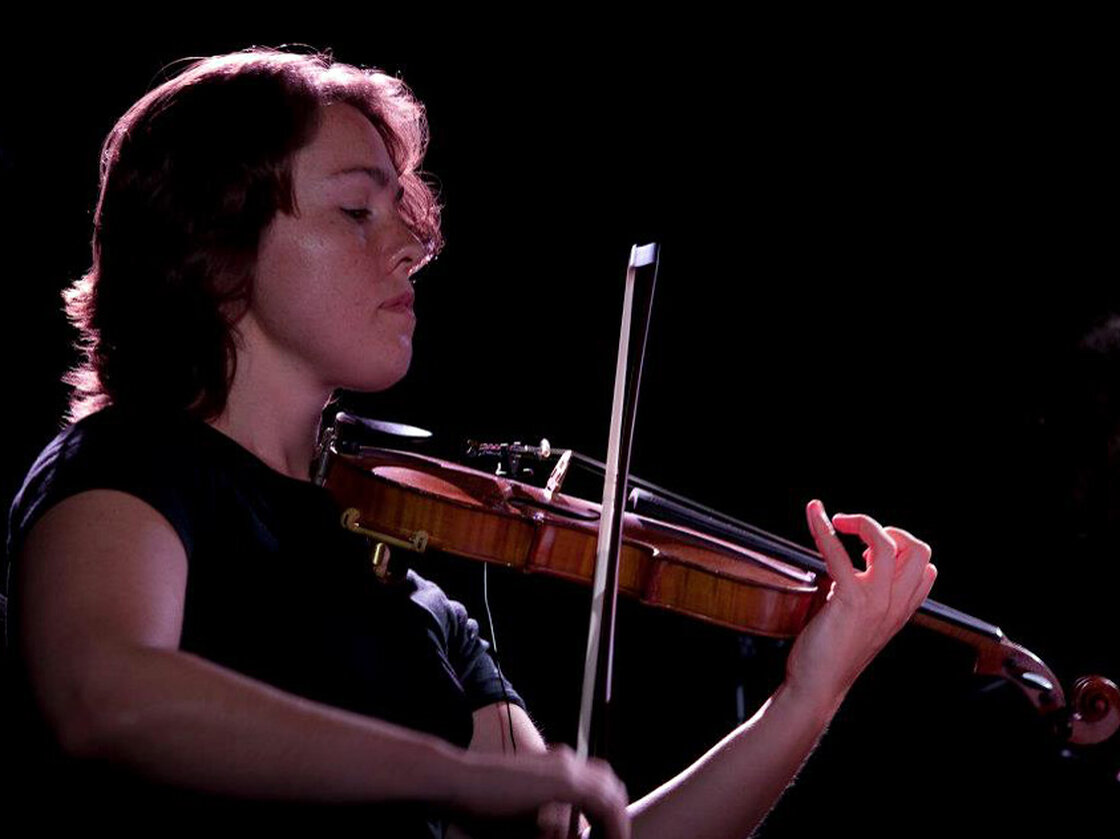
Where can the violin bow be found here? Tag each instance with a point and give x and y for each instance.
(641, 277)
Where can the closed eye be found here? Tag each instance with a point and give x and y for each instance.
(358, 213)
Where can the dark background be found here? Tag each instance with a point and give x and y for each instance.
(880, 268)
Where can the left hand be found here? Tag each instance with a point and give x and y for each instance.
(864, 608)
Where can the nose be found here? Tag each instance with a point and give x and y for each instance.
(407, 252)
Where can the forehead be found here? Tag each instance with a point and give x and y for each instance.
(346, 140)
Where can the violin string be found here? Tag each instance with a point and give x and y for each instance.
(597, 467)
(494, 647)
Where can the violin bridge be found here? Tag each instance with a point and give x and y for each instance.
(559, 472)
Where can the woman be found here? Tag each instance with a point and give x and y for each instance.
(197, 621)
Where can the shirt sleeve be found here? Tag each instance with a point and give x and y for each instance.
(480, 676)
(466, 651)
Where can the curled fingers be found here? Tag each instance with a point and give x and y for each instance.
(915, 573)
(881, 556)
(596, 790)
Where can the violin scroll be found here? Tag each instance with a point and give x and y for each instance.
(1090, 714)
(1094, 710)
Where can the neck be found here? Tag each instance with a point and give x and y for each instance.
(273, 411)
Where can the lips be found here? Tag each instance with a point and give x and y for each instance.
(400, 303)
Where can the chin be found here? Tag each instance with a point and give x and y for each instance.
(382, 380)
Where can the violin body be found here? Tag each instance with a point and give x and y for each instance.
(494, 519)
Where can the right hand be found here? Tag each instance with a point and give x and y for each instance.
(509, 786)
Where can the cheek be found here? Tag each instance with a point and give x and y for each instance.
(302, 271)
(315, 297)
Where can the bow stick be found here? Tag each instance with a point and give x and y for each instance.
(641, 276)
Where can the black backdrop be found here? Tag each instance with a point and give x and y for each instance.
(880, 265)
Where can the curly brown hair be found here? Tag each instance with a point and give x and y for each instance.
(191, 176)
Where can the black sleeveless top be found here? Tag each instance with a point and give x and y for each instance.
(276, 590)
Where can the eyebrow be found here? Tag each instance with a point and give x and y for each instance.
(377, 173)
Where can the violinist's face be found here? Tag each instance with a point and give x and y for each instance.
(332, 302)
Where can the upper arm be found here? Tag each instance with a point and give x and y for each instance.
(99, 572)
(491, 734)
(492, 730)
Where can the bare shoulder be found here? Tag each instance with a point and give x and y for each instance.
(100, 576)
(104, 562)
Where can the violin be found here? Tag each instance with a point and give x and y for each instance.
(755, 583)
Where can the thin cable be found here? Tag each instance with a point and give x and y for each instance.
(494, 647)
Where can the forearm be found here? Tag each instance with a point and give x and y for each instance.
(728, 791)
(178, 719)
